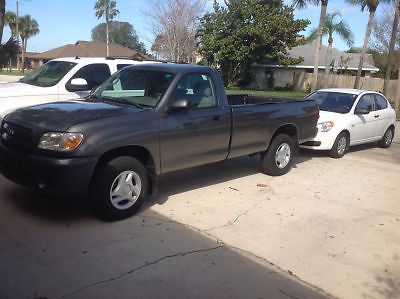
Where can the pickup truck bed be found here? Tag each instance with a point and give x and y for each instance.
(142, 122)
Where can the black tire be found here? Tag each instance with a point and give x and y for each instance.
(269, 160)
(387, 138)
(128, 169)
(337, 151)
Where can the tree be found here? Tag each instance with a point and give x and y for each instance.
(246, 32)
(8, 51)
(371, 5)
(108, 9)
(2, 15)
(332, 26)
(28, 27)
(391, 47)
(11, 20)
(121, 33)
(176, 21)
(324, 7)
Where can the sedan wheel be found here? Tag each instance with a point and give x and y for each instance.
(386, 140)
(340, 146)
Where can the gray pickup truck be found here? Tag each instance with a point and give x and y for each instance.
(145, 121)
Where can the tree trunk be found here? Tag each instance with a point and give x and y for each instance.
(107, 37)
(2, 13)
(397, 99)
(391, 49)
(23, 53)
(324, 5)
(328, 62)
(364, 48)
(17, 31)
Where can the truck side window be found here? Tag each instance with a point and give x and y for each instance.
(94, 74)
(367, 102)
(198, 89)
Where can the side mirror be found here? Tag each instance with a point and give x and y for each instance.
(178, 105)
(361, 111)
(77, 84)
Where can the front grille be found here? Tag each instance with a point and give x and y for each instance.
(16, 136)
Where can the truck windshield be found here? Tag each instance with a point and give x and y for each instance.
(48, 74)
(136, 87)
(333, 101)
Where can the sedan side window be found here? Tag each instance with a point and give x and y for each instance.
(94, 74)
(198, 89)
(366, 102)
(380, 102)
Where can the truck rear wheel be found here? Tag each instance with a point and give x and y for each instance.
(118, 188)
(277, 160)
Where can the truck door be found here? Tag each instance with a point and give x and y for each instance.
(199, 135)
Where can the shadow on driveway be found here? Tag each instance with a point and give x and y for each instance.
(54, 249)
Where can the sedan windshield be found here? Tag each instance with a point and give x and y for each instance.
(48, 74)
(135, 87)
(333, 101)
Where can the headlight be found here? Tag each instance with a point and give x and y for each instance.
(325, 126)
(60, 141)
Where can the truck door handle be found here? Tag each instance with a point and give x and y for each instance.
(376, 116)
(216, 117)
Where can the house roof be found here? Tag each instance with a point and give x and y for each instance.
(341, 60)
(90, 49)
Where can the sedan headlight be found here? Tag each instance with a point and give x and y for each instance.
(62, 142)
(325, 126)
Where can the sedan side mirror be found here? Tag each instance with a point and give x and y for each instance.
(77, 84)
(361, 111)
(178, 105)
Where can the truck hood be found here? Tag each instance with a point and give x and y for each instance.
(62, 115)
(18, 89)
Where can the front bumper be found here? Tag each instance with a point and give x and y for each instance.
(322, 141)
(48, 174)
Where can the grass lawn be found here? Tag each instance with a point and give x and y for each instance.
(271, 93)
(13, 73)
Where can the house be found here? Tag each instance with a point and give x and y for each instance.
(85, 49)
(268, 75)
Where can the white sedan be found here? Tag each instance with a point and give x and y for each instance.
(350, 117)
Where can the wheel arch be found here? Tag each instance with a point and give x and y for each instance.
(287, 129)
(135, 151)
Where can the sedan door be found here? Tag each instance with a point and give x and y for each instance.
(364, 127)
(385, 116)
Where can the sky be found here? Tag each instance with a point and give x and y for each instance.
(64, 22)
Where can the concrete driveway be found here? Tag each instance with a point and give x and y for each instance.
(328, 228)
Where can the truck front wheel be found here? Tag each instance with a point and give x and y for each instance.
(277, 160)
(118, 188)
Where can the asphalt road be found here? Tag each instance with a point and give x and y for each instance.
(328, 228)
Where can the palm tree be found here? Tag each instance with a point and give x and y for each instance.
(10, 19)
(324, 6)
(28, 27)
(371, 5)
(2, 13)
(331, 27)
(108, 9)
